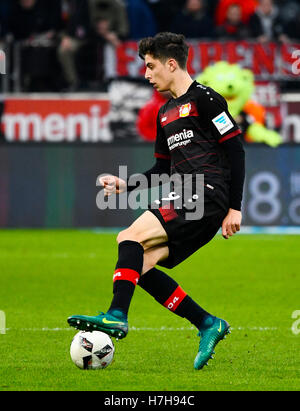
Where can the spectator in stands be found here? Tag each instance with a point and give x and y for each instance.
(110, 24)
(94, 23)
(76, 33)
(31, 18)
(288, 10)
(164, 12)
(35, 24)
(193, 21)
(109, 19)
(247, 8)
(141, 20)
(266, 24)
(293, 28)
(233, 27)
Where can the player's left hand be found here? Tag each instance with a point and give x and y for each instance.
(231, 223)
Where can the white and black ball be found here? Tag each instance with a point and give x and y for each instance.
(92, 350)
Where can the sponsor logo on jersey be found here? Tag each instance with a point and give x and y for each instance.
(180, 139)
(184, 110)
(222, 122)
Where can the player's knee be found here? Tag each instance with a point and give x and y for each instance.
(126, 235)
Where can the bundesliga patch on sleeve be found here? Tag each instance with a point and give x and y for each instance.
(222, 123)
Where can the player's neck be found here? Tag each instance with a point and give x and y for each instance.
(181, 84)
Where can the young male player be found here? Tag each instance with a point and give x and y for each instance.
(199, 117)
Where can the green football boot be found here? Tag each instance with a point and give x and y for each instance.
(213, 331)
(112, 323)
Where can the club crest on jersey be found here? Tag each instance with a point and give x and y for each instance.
(184, 110)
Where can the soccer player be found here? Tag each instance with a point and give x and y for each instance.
(195, 135)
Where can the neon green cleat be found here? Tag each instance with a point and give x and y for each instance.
(214, 331)
(113, 324)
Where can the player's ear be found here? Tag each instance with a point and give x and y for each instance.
(172, 64)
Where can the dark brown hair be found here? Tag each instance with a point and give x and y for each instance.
(165, 45)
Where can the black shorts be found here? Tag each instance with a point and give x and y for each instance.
(186, 236)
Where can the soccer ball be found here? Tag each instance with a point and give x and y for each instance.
(92, 350)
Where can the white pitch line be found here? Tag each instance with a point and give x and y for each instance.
(157, 329)
(49, 256)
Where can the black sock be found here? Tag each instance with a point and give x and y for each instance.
(127, 273)
(167, 292)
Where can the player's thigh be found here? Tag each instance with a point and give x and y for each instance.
(146, 229)
(154, 255)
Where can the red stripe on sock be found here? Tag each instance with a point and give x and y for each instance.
(126, 274)
(175, 299)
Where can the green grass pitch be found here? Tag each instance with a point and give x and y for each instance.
(251, 281)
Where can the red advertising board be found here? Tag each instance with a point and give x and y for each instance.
(74, 118)
(270, 61)
(56, 119)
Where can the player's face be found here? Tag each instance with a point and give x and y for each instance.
(158, 73)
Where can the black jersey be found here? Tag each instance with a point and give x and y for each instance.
(190, 132)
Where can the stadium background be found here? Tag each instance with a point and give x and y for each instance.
(79, 58)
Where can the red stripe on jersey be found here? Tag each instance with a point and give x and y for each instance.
(233, 134)
(167, 212)
(164, 156)
(126, 274)
(185, 110)
(175, 299)
(191, 158)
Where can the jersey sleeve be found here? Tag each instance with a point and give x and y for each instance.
(161, 145)
(220, 122)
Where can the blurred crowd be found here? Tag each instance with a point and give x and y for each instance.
(68, 36)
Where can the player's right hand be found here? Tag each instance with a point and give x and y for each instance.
(231, 223)
(112, 185)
